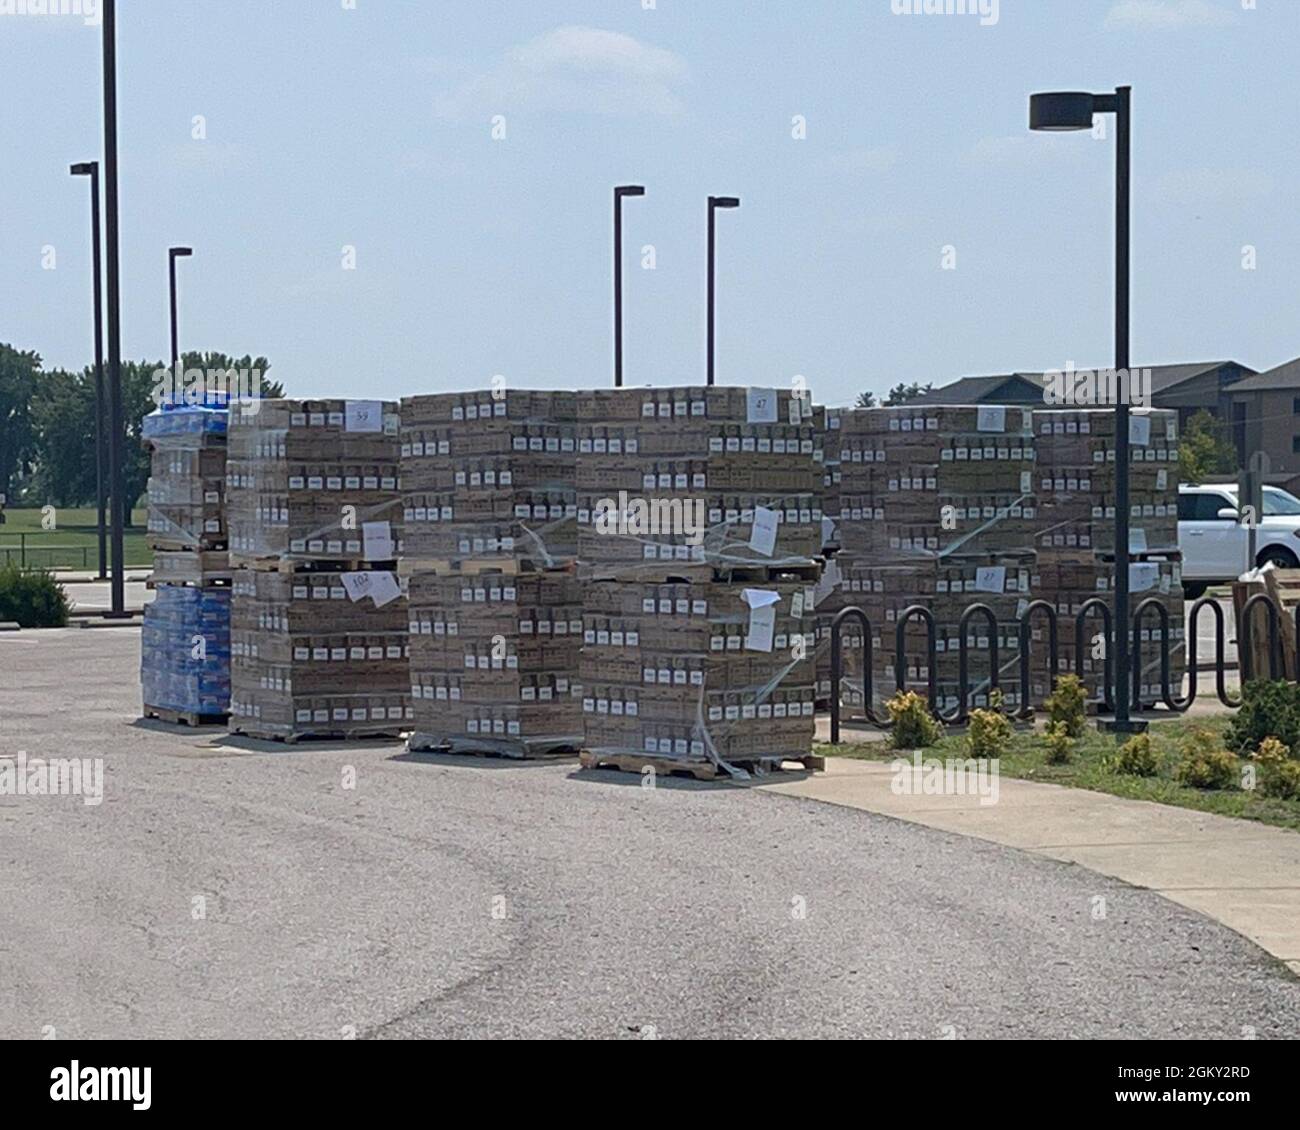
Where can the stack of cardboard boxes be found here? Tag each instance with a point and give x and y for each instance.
(1075, 481)
(937, 509)
(699, 529)
(185, 642)
(319, 626)
(495, 615)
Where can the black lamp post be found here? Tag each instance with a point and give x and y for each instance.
(620, 191)
(174, 253)
(715, 202)
(91, 169)
(116, 438)
(1073, 110)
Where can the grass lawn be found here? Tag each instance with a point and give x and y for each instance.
(63, 547)
(1027, 759)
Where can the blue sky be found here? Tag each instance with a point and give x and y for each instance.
(371, 127)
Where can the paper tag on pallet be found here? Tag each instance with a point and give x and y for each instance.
(760, 405)
(1139, 430)
(762, 538)
(991, 418)
(992, 578)
(377, 540)
(363, 416)
(762, 618)
(380, 587)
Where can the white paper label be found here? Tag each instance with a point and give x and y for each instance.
(991, 578)
(992, 418)
(760, 407)
(763, 538)
(380, 587)
(377, 541)
(364, 416)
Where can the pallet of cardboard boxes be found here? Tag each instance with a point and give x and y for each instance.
(319, 622)
(495, 606)
(699, 529)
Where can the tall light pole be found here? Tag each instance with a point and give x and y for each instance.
(174, 253)
(116, 439)
(91, 169)
(1074, 110)
(715, 202)
(620, 191)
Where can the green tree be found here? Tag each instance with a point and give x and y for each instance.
(64, 411)
(18, 378)
(866, 400)
(1203, 452)
(901, 393)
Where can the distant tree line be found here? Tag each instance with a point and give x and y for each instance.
(47, 424)
(900, 394)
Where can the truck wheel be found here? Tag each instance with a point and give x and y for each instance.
(1279, 555)
(1194, 590)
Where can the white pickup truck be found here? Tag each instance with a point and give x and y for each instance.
(1216, 545)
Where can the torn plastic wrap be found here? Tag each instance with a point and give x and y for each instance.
(185, 650)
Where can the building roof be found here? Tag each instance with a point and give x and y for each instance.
(972, 390)
(1286, 375)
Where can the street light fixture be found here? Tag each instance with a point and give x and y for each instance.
(620, 191)
(1074, 110)
(715, 202)
(91, 169)
(174, 253)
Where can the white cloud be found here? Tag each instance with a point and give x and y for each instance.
(1206, 186)
(573, 68)
(1163, 14)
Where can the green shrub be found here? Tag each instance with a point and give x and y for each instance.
(1270, 708)
(989, 734)
(914, 726)
(1136, 758)
(1060, 746)
(1066, 704)
(1205, 764)
(33, 599)
(1281, 779)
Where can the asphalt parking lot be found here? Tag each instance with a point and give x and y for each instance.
(226, 888)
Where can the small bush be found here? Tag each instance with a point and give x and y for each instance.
(1281, 779)
(1136, 758)
(1205, 764)
(989, 734)
(33, 599)
(1270, 708)
(1066, 704)
(1060, 746)
(1271, 752)
(914, 726)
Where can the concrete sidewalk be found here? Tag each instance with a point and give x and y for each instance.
(1243, 874)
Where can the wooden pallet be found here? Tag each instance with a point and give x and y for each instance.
(204, 543)
(521, 749)
(699, 770)
(213, 581)
(475, 566)
(666, 572)
(184, 717)
(294, 565)
(385, 733)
